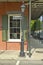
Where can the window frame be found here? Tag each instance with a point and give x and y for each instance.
(17, 16)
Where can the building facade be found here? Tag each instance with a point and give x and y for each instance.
(12, 21)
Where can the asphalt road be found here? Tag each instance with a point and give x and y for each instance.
(18, 62)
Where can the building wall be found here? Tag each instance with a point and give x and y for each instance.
(6, 7)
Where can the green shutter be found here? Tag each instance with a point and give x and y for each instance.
(4, 27)
(24, 23)
(24, 27)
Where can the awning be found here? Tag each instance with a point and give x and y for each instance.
(36, 8)
(12, 0)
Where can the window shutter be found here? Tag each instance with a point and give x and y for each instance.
(24, 23)
(4, 27)
(24, 26)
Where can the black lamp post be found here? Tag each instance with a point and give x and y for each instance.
(22, 53)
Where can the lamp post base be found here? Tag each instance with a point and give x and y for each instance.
(22, 54)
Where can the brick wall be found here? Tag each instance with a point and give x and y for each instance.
(4, 8)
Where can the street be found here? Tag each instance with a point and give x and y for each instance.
(20, 62)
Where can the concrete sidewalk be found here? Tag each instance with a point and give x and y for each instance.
(37, 54)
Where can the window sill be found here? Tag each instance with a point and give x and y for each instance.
(19, 40)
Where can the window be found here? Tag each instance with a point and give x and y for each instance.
(14, 28)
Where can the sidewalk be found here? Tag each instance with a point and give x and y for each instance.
(37, 54)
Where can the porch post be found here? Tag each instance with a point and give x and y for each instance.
(29, 32)
(42, 21)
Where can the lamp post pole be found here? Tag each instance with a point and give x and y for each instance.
(22, 53)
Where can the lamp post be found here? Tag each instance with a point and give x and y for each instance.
(22, 53)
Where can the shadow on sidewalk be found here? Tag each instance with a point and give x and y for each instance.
(1, 52)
